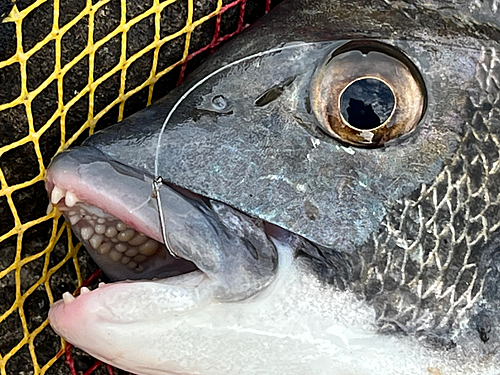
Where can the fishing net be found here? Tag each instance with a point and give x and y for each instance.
(67, 69)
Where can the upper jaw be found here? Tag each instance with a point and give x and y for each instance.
(87, 175)
(111, 211)
(97, 194)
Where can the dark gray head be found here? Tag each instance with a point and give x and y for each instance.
(363, 135)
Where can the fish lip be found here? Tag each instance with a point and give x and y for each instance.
(73, 171)
(65, 175)
(109, 307)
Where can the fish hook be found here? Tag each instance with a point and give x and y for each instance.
(155, 194)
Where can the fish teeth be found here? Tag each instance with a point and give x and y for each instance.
(149, 247)
(99, 228)
(121, 247)
(132, 265)
(111, 232)
(68, 297)
(87, 232)
(140, 258)
(115, 255)
(71, 199)
(49, 208)
(121, 226)
(57, 194)
(84, 290)
(126, 235)
(138, 240)
(74, 219)
(96, 240)
(104, 248)
(131, 252)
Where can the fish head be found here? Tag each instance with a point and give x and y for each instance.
(322, 195)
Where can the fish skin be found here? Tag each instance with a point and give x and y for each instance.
(283, 168)
(426, 259)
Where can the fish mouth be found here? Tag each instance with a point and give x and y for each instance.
(123, 251)
(124, 245)
(111, 210)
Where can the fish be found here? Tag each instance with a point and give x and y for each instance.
(322, 196)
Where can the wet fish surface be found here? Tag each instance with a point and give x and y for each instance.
(330, 202)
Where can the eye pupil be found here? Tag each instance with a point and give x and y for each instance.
(361, 116)
(367, 103)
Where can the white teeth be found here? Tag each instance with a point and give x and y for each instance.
(56, 195)
(111, 232)
(140, 258)
(74, 219)
(87, 232)
(100, 229)
(84, 290)
(71, 199)
(121, 226)
(131, 252)
(101, 284)
(121, 247)
(149, 247)
(138, 240)
(126, 235)
(115, 255)
(68, 297)
(104, 248)
(105, 233)
(96, 240)
(132, 265)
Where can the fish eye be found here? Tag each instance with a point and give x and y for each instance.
(368, 93)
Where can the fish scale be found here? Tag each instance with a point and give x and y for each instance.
(422, 251)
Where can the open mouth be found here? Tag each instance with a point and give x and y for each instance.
(117, 247)
(223, 255)
(111, 210)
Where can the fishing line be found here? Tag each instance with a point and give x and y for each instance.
(158, 181)
(140, 206)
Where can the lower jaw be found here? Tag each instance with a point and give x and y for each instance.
(120, 250)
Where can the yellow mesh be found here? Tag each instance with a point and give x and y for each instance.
(60, 233)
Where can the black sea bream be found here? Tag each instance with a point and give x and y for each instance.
(330, 202)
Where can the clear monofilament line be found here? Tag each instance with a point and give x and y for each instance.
(158, 181)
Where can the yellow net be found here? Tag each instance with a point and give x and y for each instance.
(68, 68)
